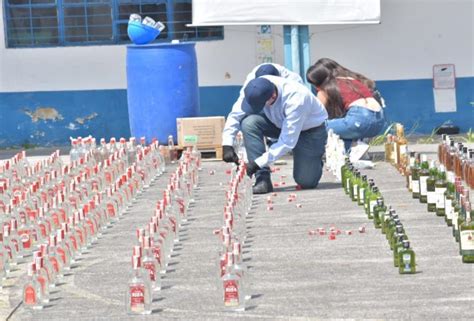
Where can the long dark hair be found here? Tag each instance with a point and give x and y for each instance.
(339, 71)
(321, 77)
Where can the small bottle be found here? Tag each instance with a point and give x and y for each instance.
(397, 249)
(233, 294)
(408, 171)
(424, 175)
(440, 190)
(406, 263)
(402, 148)
(430, 188)
(362, 188)
(173, 153)
(374, 195)
(138, 296)
(415, 178)
(466, 236)
(379, 213)
(32, 293)
(388, 148)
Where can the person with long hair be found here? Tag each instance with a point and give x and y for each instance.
(353, 104)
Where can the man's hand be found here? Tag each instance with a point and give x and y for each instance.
(252, 168)
(229, 155)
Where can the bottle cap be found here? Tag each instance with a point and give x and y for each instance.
(406, 244)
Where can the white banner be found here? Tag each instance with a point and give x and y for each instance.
(284, 12)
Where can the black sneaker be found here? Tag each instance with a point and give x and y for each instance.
(263, 187)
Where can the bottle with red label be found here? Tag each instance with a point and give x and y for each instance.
(233, 292)
(151, 265)
(42, 277)
(138, 296)
(9, 245)
(46, 264)
(32, 293)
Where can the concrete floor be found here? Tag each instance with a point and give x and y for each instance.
(291, 276)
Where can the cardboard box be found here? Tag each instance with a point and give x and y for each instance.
(202, 131)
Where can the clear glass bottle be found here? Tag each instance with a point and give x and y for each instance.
(233, 292)
(466, 236)
(32, 293)
(424, 175)
(138, 295)
(430, 188)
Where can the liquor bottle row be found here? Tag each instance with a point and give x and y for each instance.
(232, 235)
(445, 195)
(154, 244)
(364, 192)
(53, 212)
(458, 159)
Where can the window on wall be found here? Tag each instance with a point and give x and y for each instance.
(43, 23)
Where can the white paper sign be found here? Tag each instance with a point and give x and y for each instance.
(445, 100)
(444, 76)
(284, 12)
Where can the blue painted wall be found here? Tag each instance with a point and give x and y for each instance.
(411, 103)
(408, 101)
(17, 128)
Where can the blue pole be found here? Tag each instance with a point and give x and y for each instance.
(296, 49)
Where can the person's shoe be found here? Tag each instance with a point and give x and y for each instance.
(263, 187)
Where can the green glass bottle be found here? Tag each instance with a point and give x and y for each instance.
(374, 195)
(348, 177)
(379, 213)
(408, 172)
(398, 247)
(456, 214)
(440, 190)
(355, 183)
(391, 223)
(393, 239)
(406, 261)
(466, 236)
(367, 194)
(430, 188)
(391, 229)
(424, 175)
(362, 188)
(388, 215)
(415, 178)
(344, 169)
(449, 198)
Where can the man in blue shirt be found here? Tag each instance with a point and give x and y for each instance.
(280, 108)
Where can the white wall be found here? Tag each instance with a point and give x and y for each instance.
(414, 35)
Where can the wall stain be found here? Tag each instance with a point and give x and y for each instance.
(83, 120)
(43, 113)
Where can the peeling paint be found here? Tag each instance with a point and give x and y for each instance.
(43, 113)
(82, 120)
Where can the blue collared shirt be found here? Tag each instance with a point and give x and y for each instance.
(295, 110)
(232, 125)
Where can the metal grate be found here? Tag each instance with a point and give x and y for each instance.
(45, 23)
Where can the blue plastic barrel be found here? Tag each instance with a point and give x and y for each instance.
(162, 85)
